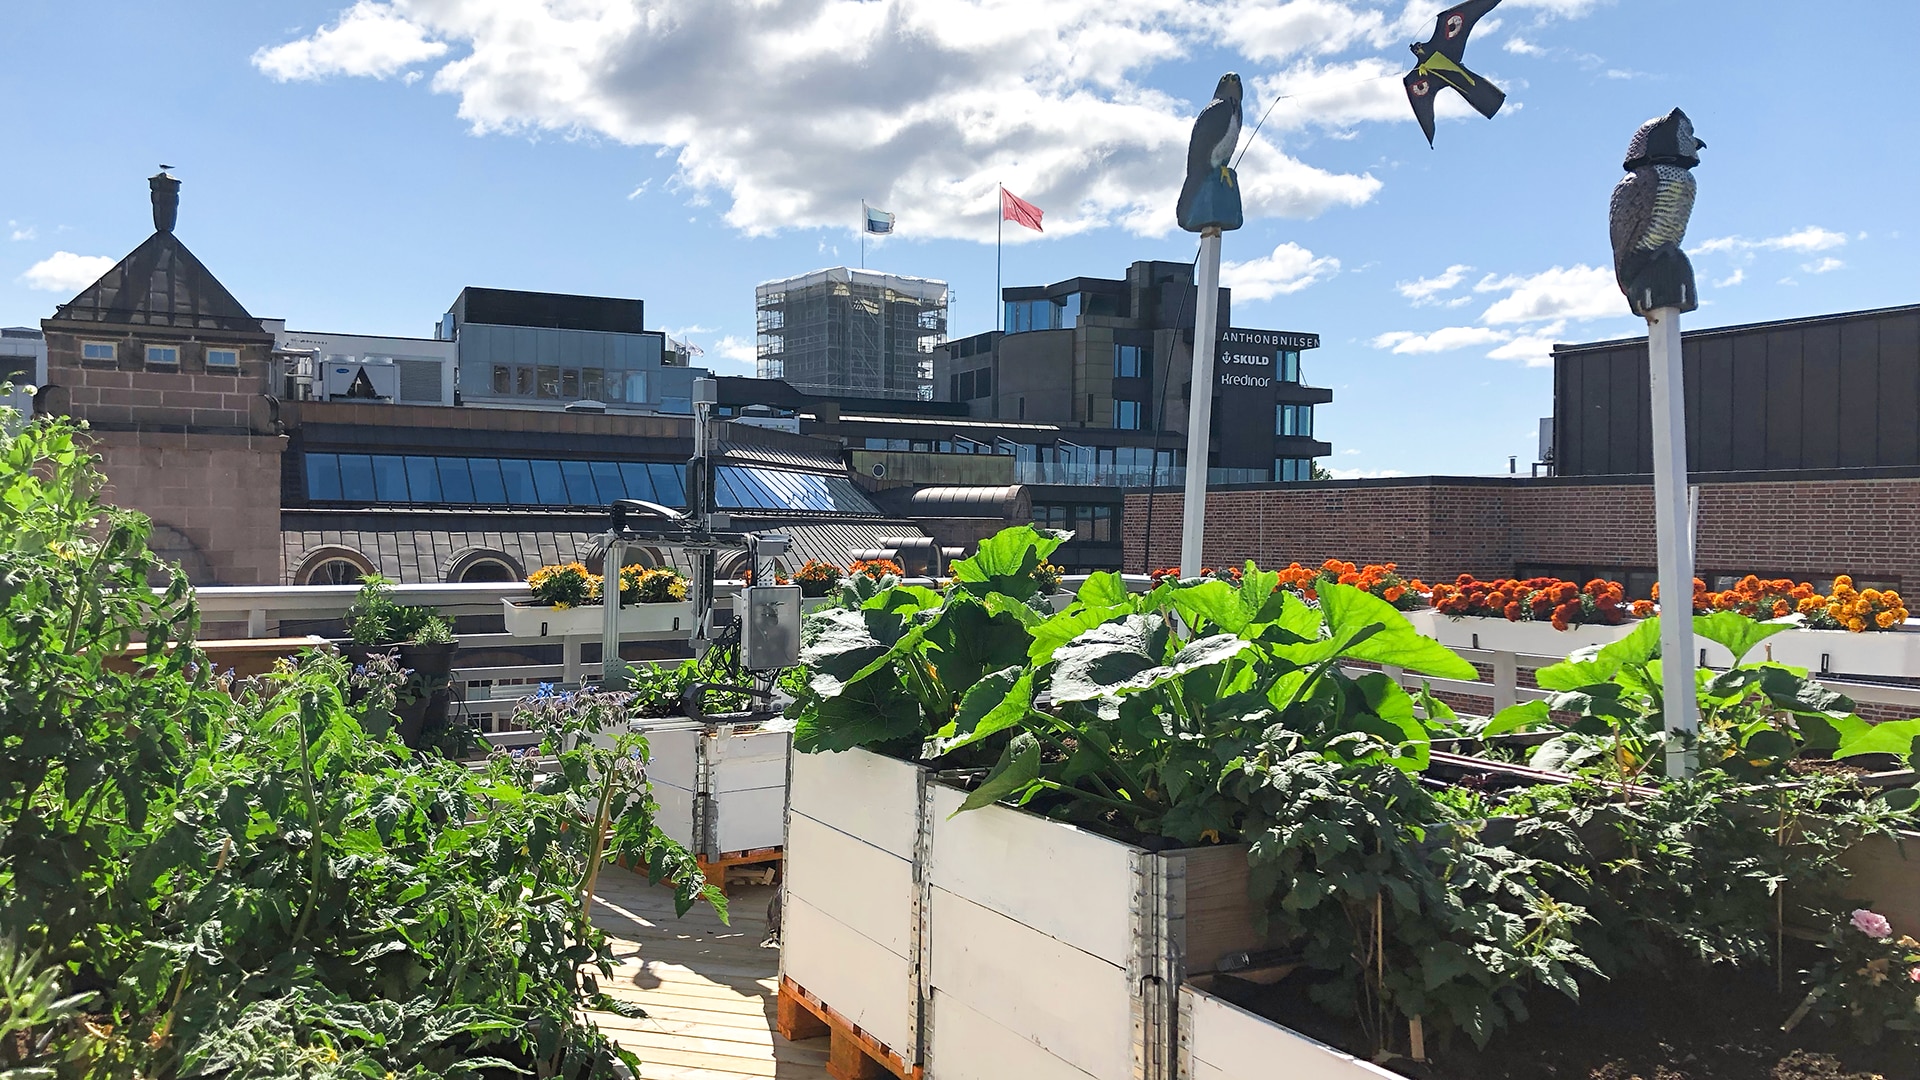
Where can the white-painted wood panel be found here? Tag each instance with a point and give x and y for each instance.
(675, 816)
(745, 761)
(1066, 1002)
(1233, 1044)
(851, 881)
(671, 745)
(968, 1046)
(750, 819)
(849, 971)
(861, 794)
(1065, 882)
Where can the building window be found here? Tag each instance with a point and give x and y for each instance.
(1289, 364)
(163, 355)
(1025, 315)
(983, 383)
(98, 350)
(1126, 415)
(570, 384)
(1023, 408)
(1294, 420)
(502, 379)
(591, 383)
(1126, 361)
(226, 358)
(1289, 470)
(549, 381)
(523, 381)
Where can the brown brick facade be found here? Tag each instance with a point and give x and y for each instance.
(1437, 528)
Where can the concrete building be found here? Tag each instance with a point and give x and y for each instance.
(173, 376)
(1111, 360)
(550, 350)
(846, 331)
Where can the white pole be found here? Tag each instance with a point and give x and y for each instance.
(1200, 404)
(1672, 522)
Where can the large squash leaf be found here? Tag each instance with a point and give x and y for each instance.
(1350, 610)
(992, 705)
(1005, 561)
(1859, 737)
(1737, 632)
(1018, 768)
(1105, 657)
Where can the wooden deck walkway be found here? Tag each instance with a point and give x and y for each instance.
(709, 990)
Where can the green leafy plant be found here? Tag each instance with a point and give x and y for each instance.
(1869, 979)
(1754, 717)
(376, 618)
(567, 585)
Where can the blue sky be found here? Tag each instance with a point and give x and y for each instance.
(350, 166)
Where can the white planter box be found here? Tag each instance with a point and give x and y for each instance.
(1219, 1041)
(996, 943)
(722, 788)
(528, 620)
(1880, 652)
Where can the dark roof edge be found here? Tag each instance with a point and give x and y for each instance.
(1774, 476)
(1741, 328)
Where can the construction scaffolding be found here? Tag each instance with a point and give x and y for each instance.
(852, 332)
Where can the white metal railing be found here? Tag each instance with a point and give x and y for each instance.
(1103, 474)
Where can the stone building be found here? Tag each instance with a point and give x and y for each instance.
(172, 374)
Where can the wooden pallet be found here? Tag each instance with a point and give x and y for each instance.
(852, 1054)
(716, 868)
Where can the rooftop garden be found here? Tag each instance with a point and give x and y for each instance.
(204, 876)
(1561, 900)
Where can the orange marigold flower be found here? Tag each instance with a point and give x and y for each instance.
(1512, 612)
(1642, 608)
(1781, 609)
(1393, 593)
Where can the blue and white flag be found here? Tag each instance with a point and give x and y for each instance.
(878, 221)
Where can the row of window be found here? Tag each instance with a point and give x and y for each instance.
(1025, 315)
(968, 385)
(1140, 457)
(417, 479)
(568, 384)
(1131, 361)
(1086, 521)
(1292, 469)
(157, 355)
(1293, 420)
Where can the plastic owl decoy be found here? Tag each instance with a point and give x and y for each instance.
(1647, 217)
(1440, 65)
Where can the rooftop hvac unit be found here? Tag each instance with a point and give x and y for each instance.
(355, 379)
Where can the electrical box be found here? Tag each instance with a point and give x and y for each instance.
(770, 640)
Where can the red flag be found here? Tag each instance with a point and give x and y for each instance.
(1018, 210)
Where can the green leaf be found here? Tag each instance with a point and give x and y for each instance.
(1790, 689)
(870, 712)
(1859, 737)
(1257, 586)
(995, 703)
(1391, 704)
(1521, 717)
(1051, 633)
(1764, 749)
(1005, 561)
(966, 641)
(1593, 665)
(1214, 602)
(1018, 768)
(1736, 631)
(1106, 656)
(1349, 610)
(1104, 589)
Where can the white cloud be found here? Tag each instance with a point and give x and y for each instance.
(789, 111)
(735, 351)
(1810, 239)
(1288, 270)
(1731, 280)
(18, 231)
(1350, 450)
(1422, 291)
(63, 271)
(1363, 474)
(1518, 44)
(1445, 339)
(1534, 348)
(1822, 266)
(1576, 292)
(1787, 281)
(370, 38)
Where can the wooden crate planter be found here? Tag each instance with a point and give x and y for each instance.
(1221, 1041)
(529, 620)
(997, 943)
(722, 787)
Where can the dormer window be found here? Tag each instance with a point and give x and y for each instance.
(163, 355)
(223, 358)
(98, 350)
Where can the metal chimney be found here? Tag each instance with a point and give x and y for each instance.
(166, 201)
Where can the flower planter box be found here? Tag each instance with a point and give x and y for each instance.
(1878, 652)
(1221, 1041)
(722, 787)
(528, 620)
(997, 943)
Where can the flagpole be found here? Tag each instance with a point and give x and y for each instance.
(863, 234)
(999, 226)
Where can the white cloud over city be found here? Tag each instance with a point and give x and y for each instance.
(1525, 318)
(753, 101)
(1288, 269)
(66, 272)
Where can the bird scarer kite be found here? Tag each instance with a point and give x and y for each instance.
(1440, 66)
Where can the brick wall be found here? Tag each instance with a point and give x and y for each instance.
(1436, 528)
(126, 393)
(222, 492)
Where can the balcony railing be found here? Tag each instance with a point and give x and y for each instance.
(1090, 474)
